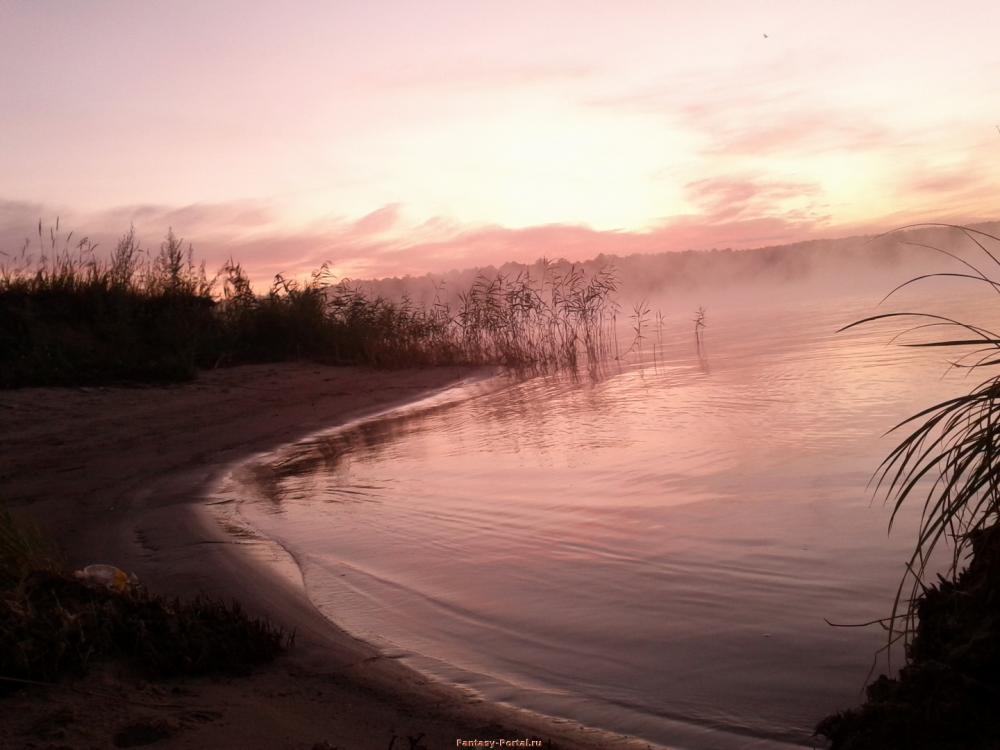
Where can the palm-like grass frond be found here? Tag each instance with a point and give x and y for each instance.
(948, 457)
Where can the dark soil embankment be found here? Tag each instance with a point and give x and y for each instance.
(948, 695)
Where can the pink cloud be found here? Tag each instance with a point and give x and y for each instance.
(770, 108)
(207, 218)
(739, 212)
(784, 81)
(811, 131)
(725, 199)
(378, 221)
(949, 184)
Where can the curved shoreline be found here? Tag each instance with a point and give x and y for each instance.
(247, 484)
(117, 475)
(384, 672)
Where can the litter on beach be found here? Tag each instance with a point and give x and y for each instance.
(108, 576)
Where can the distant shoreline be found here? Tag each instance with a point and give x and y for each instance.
(113, 474)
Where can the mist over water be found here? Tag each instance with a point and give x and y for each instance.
(652, 551)
(789, 274)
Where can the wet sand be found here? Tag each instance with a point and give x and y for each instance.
(117, 475)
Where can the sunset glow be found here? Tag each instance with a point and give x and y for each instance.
(568, 373)
(399, 137)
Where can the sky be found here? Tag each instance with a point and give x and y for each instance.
(405, 137)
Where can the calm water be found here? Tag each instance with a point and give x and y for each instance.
(651, 552)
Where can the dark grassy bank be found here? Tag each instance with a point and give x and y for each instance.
(53, 625)
(69, 316)
(946, 696)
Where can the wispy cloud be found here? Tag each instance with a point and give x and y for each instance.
(733, 213)
(782, 119)
(557, 114)
(378, 221)
(727, 199)
(733, 133)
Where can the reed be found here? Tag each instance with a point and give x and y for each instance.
(639, 317)
(699, 326)
(71, 316)
(551, 321)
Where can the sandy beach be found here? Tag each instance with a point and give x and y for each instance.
(114, 475)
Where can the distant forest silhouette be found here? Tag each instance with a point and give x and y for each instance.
(647, 274)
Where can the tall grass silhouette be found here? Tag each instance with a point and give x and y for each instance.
(699, 325)
(639, 318)
(69, 315)
(551, 320)
(948, 457)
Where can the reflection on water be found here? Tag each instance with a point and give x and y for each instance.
(651, 549)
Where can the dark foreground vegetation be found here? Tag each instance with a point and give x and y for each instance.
(946, 695)
(53, 625)
(69, 316)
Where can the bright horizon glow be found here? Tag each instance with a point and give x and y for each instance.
(270, 133)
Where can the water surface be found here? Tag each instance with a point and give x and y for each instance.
(652, 551)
